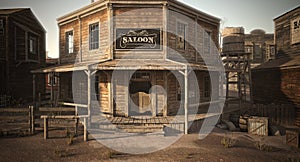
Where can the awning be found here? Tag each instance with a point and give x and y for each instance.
(125, 64)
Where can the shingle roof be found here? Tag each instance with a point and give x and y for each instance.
(282, 63)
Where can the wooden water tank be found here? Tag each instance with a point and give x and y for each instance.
(233, 40)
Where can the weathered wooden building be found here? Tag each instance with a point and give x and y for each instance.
(22, 49)
(133, 58)
(261, 46)
(277, 81)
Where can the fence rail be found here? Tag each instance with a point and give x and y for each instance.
(17, 120)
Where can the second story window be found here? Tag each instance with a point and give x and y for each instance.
(207, 42)
(181, 36)
(32, 45)
(94, 36)
(69, 42)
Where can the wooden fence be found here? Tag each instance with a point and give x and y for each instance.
(17, 121)
(278, 114)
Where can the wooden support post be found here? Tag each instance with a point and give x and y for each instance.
(32, 121)
(33, 90)
(52, 89)
(45, 128)
(76, 126)
(85, 135)
(89, 96)
(186, 97)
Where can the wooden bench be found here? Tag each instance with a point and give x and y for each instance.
(75, 117)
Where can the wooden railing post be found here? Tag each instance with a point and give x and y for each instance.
(31, 119)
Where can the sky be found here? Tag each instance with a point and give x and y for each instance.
(250, 14)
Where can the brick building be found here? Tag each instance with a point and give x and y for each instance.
(22, 49)
(277, 81)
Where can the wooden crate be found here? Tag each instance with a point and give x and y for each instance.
(258, 126)
(292, 137)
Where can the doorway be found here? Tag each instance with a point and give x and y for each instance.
(140, 98)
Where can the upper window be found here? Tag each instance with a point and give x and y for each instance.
(69, 42)
(94, 36)
(32, 45)
(181, 36)
(207, 42)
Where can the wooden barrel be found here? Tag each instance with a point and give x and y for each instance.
(233, 40)
(243, 123)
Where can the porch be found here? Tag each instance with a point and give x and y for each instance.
(113, 102)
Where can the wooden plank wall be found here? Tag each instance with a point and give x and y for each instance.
(132, 17)
(283, 35)
(87, 54)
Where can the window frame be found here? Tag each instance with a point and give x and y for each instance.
(206, 87)
(67, 41)
(207, 35)
(94, 45)
(179, 22)
(49, 80)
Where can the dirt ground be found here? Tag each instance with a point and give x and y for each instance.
(187, 148)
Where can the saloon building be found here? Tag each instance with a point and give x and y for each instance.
(277, 81)
(134, 57)
(22, 49)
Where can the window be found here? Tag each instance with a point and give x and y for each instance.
(1, 27)
(32, 45)
(181, 36)
(207, 42)
(49, 80)
(94, 36)
(69, 42)
(207, 87)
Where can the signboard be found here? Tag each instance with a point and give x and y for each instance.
(295, 31)
(139, 39)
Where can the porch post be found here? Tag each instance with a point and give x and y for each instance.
(33, 90)
(89, 96)
(51, 82)
(186, 102)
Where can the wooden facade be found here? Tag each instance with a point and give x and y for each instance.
(127, 78)
(22, 49)
(282, 85)
(261, 46)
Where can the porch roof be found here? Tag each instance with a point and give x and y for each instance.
(65, 67)
(124, 64)
(145, 64)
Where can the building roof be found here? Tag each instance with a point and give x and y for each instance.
(296, 8)
(11, 11)
(280, 63)
(103, 3)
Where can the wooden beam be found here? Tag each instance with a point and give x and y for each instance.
(186, 103)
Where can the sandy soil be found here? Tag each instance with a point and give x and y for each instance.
(188, 148)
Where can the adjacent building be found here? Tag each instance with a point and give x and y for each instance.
(277, 81)
(134, 58)
(261, 46)
(22, 49)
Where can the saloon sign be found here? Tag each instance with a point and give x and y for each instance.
(141, 39)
